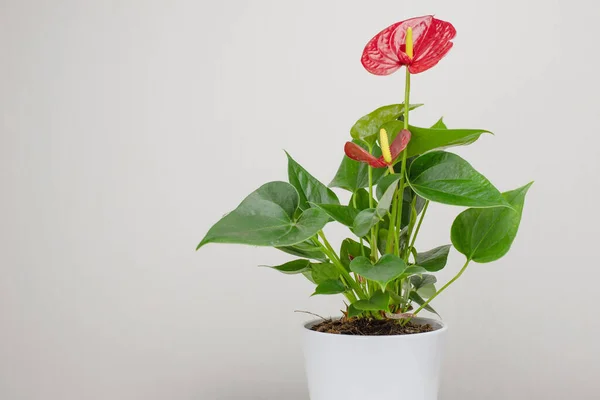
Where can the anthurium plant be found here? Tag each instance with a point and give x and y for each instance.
(393, 170)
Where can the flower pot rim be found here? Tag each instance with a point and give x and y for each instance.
(441, 328)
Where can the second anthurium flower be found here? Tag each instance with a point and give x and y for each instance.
(389, 152)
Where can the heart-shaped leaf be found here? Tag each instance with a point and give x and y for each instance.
(350, 249)
(353, 175)
(293, 267)
(414, 296)
(434, 259)
(322, 272)
(378, 302)
(419, 281)
(353, 311)
(384, 183)
(424, 285)
(447, 178)
(342, 214)
(308, 187)
(332, 286)
(367, 219)
(266, 218)
(305, 249)
(360, 200)
(426, 139)
(367, 128)
(308, 275)
(439, 124)
(414, 270)
(387, 268)
(485, 235)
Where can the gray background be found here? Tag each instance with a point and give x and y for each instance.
(129, 127)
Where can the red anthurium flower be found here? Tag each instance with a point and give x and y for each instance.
(357, 153)
(387, 51)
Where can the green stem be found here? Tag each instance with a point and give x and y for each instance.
(443, 287)
(338, 263)
(362, 249)
(403, 167)
(392, 227)
(414, 237)
(373, 233)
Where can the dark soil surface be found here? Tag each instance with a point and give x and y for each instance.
(370, 327)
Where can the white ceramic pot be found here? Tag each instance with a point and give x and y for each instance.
(401, 367)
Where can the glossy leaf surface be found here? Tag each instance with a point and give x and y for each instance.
(342, 214)
(293, 267)
(309, 188)
(350, 249)
(305, 249)
(266, 218)
(485, 235)
(385, 270)
(333, 286)
(434, 259)
(380, 301)
(447, 178)
(322, 272)
(414, 296)
(367, 127)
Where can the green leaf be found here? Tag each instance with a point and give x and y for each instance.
(414, 296)
(350, 249)
(424, 285)
(305, 249)
(427, 291)
(292, 267)
(308, 187)
(447, 178)
(322, 272)
(434, 259)
(266, 218)
(439, 124)
(425, 139)
(367, 128)
(342, 214)
(308, 275)
(414, 270)
(332, 286)
(419, 281)
(353, 175)
(387, 268)
(378, 302)
(361, 199)
(353, 311)
(384, 183)
(407, 197)
(367, 219)
(485, 235)
(382, 235)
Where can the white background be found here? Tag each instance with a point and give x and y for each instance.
(129, 127)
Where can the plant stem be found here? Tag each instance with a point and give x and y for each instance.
(362, 249)
(443, 287)
(414, 237)
(403, 165)
(373, 233)
(392, 227)
(336, 261)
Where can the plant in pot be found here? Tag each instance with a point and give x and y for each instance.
(393, 171)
